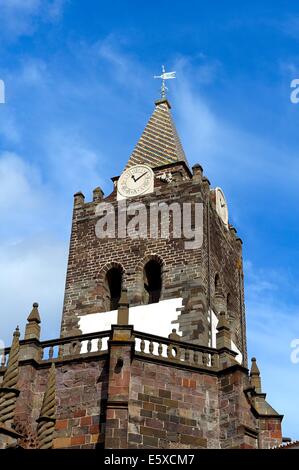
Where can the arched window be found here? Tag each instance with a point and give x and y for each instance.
(113, 286)
(152, 276)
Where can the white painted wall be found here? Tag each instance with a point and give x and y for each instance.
(157, 319)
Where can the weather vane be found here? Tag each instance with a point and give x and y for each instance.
(164, 76)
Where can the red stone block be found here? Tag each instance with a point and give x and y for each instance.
(192, 384)
(185, 383)
(79, 413)
(86, 421)
(77, 440)
(61, 424)
(94, 429)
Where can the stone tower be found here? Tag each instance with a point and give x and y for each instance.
(205, 280)
(152, 351)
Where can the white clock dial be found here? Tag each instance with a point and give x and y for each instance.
(221, 206)
(135, 181)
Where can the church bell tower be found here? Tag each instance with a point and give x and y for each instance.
(152, 351)
(172, 282)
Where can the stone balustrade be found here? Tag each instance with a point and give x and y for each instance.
(146, 345)
(165, 349)
(64, 348)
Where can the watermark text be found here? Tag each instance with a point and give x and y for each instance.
(155, 221)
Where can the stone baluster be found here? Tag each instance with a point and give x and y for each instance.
(151, 348)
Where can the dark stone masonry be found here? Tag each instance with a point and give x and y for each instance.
(122, 388)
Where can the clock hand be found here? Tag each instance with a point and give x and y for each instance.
(140, 177)
(132, 176)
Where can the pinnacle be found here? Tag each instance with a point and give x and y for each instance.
(17, 332)
(159, 143)
(254, 368)
(34, 314)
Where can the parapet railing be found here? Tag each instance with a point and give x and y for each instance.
(152, 346)
(147, 346)
(65, 348)
(70, 346)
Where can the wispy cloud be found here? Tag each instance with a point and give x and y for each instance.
(72, 163)
(272, 324)
(18, 17)
(289, 26)
(32, 270)
(213, 139)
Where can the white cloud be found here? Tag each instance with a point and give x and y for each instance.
(122, 67)
(8, 127)
(221, 146)
(73, 165)
(32, 270)
(33, 72)
(18, 17)
(272, 324)
(32, 257)
(18, 183)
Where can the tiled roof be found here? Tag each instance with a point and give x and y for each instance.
(159, 143)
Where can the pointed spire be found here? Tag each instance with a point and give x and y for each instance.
(34, 314)
(123, 309)
(8, 391)
(255, 378)
(46, 421)
(32, 330)
(159, 143)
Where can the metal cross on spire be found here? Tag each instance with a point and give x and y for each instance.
(164, 76)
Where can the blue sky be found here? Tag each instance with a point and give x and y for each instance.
(79, 90)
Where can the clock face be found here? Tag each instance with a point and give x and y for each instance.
(221, 206)
(135, 181)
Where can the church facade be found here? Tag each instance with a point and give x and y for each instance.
(152, 351)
